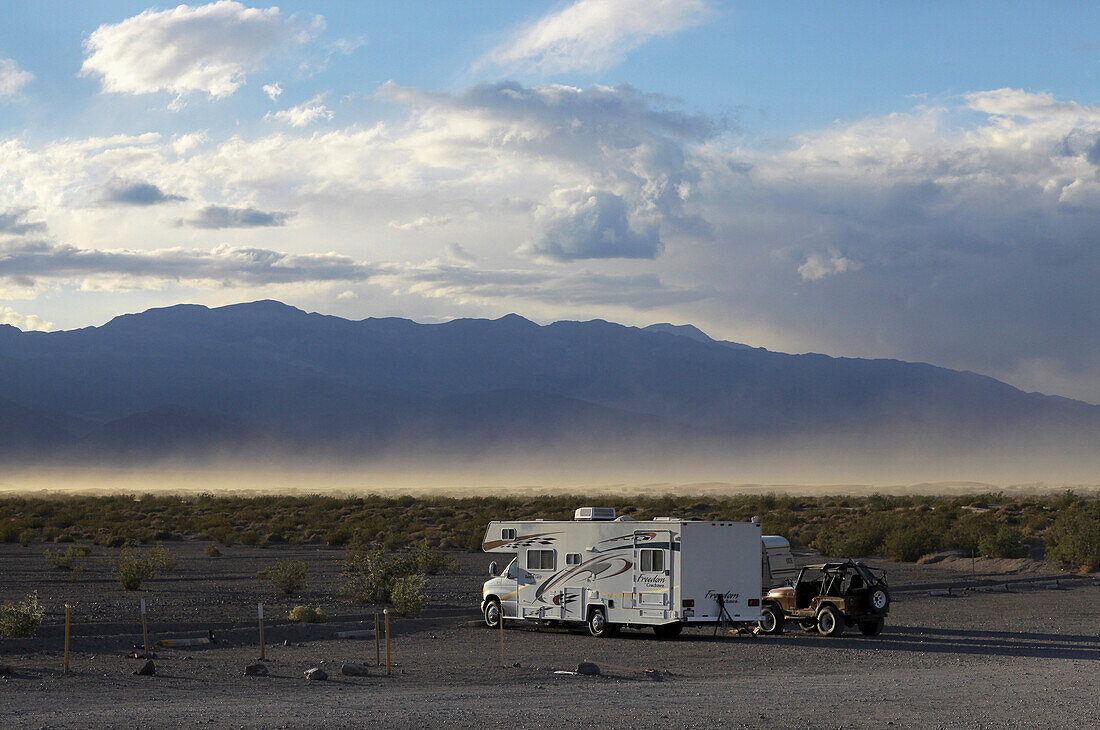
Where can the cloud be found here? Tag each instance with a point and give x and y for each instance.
(304, 114)
(12, 78)
(120, 269)
(591, 35)
(220, 216)
(27, 323)
(458, 253)
(273, 90)
(1019, 103)
(137, 193)
(14, 222)
(818, 266)
(207, 48)
(590, 224)
(463, 284)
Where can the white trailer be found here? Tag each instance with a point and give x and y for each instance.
(612, 573)
(776, 562)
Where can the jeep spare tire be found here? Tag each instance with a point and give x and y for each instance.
(878, 599)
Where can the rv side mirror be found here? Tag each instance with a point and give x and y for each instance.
(493, 569)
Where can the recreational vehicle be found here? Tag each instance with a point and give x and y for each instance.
(610, 573)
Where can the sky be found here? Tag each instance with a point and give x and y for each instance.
(861, 179)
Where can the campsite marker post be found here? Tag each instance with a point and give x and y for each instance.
(377, 642)
(260, 611)
(66, 669)
(500, 620)
(386, 613)
(144, 628)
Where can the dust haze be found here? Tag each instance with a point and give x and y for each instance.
(819, 466)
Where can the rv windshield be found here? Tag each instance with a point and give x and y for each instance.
(512, 571)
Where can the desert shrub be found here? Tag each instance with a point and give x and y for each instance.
(212, 551)
(1006, 542)
(307, 615)
(75, 573)
(289, 576)
(20, 619)
(69, 557)
(368, 574)
(431, 560)
(909, 543)
(409, 594)
(26, 537)
(1074, 539)
(133, 567)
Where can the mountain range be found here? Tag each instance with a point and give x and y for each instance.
(265, 377)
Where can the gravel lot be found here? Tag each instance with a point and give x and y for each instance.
(1028, 657)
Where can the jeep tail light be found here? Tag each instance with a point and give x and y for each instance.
(754, 601)
(689, 603)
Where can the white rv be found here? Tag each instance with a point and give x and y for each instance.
(613, 573)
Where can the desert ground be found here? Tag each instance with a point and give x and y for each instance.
(983, 656)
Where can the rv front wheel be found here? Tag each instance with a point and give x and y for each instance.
(598, 624)
(492, 614)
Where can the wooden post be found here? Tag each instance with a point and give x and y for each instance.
(260, 610)
(66, 668)
(377, 642)
(144, 628)
(386, 612)
(500, 620)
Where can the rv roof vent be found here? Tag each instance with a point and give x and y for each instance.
(594, 513)
(664, 519)
(624, 518)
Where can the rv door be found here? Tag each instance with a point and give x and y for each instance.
(652, 568)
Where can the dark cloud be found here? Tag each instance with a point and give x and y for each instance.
(138, 193)
(591, 224)
(14, 222)
(220, 216)
(222, 266)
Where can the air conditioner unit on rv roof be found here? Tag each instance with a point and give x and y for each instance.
(594, 513)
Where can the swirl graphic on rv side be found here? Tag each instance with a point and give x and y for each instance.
(601, 566)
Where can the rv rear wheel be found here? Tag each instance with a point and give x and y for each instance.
(772, 620)
(829, 622)
(668, 631)
(492, 614)
(598, 625)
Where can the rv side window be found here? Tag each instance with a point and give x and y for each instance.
(508, 533)
(540, 559)
(572, 558)
(653, 561)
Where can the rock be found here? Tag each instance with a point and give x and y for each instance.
(256, 670)
(351, 669)
(148, 669)
(592, 670)
(316, 674)
(286, 642)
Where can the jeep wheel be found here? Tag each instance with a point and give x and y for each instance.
(492, 614)
(829, 622)
(871, 628)
(772, 620)
(878, 599)
(599, 626)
